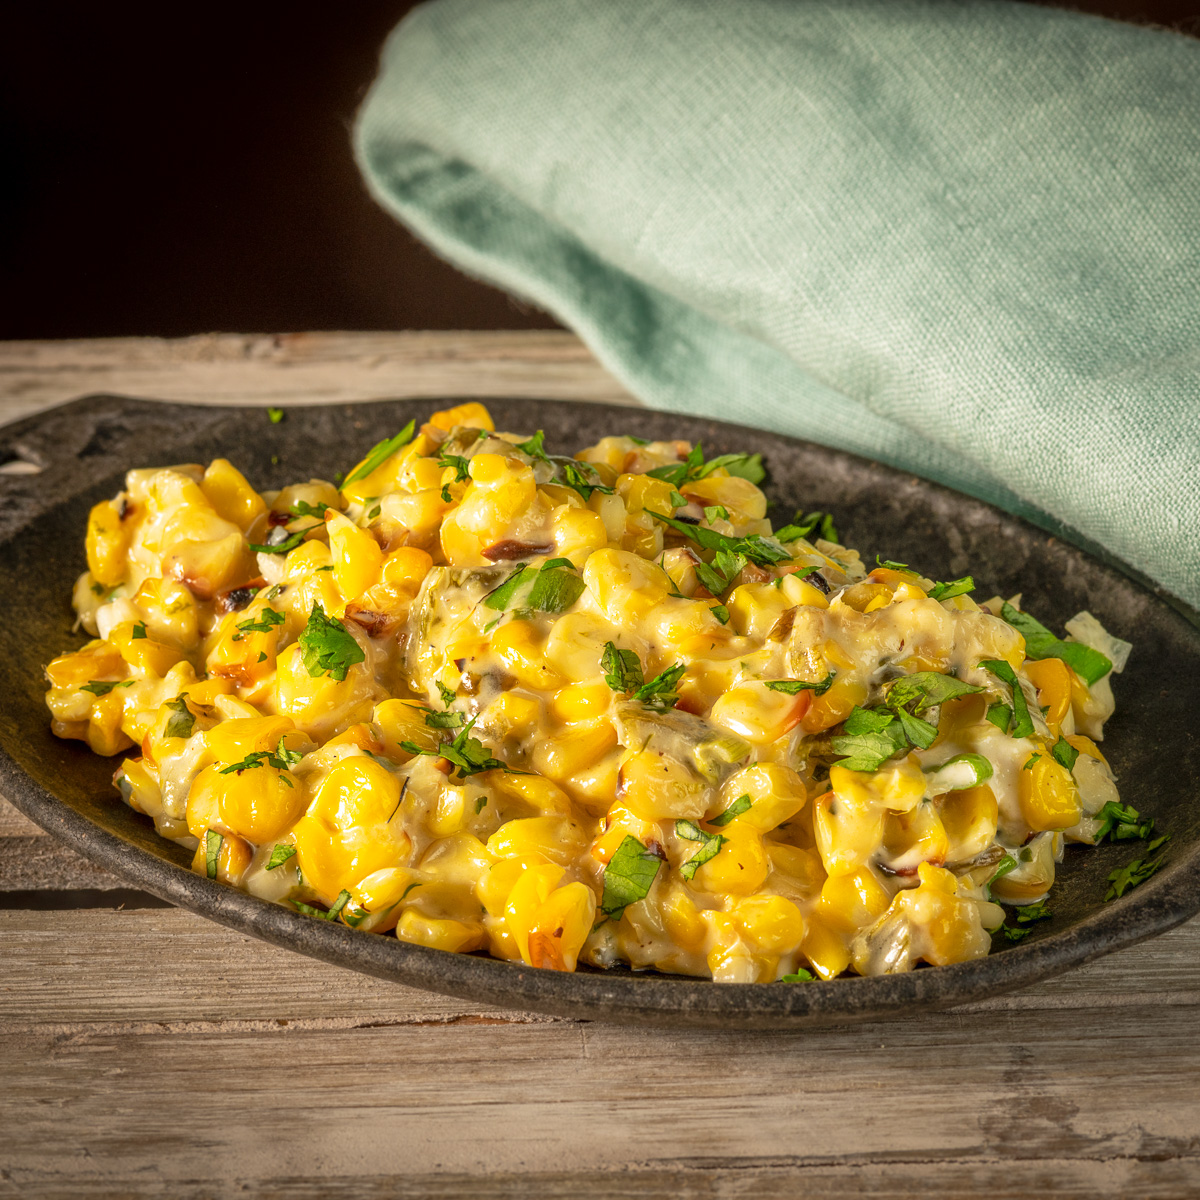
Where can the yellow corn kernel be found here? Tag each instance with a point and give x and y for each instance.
(914, 837)
(755, 607)
(107, 543)
(169, 610)
(581, 702)
(578, 532)
(228, 491)
(626, 587)
(770, 924)
(567, 754)
(403, 721)
(1084, 745)
(801, 867)
(459, 861)
(208, 567)
(528, 894)
(140, 787)
(244, 657)
(800, 591)
(758, 714)
(538, 792)
(556, 839)
(739, 868)
(449, 813)
(495, 885)
(576, 645)
(384, 889)
(825, 948)
(345, 835)
(320, 704)
(1048, 795)
(405, 569)
(682, 919)
(514, 712)
(897, 787)
(258, 804)
(655, 786)
(849, 902)
(472, 414)
(519, 646)
(834, 705)
(439, 933)
(1052, 678)
(561, 926)
(847, 835)
(866, 597)
(233, 858)
(104, 733)
(357, 558)
(96, 660)
(736, 494)
(232, 741)
(969, 817)
(145, 654)
(776, 794)
(644, 491)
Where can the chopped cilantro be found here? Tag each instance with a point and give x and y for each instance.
(928, 689)
(1000, 715)
(715, 512)
(1089, 664)
(757, 549)
(628, 877)
(739, 806)
(659, 693)
(555, 589)
(374, 512)
(302, 508)
(1130, 876)
(380, 453)
(447, 695)
(1020, 724)
(467, 754)
(281, 758)
(678, 499)
(327, 646)
(181, 723)
(275, 415)
(1064, 753)
(139, 631)
(462, 471)
(212, 852)
(280, 855)
(793, 687)
(711, 844)
(721, 573)
(1121, 823)
(1003, 867)
(955, 587)
(101, 687)
(799, 975)
(721, 613)
(869, 740)
(803, 526)
(1030, 761)
(284, 542)
(480, 804)
(622, 668)
(267, 620)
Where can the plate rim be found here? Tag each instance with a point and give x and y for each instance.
(1163, 902)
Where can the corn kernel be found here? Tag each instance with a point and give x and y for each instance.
(740, 867)
(107, 544)
(825, 948)
(835, 704)
(472, 414)
(851, 901)
(556, 839)
(565, 755)
(1048, 795)
(439, 933)
(519, 646)
(1052, 678)
(528, 894)
(231, 496)
(561, 926)
(104, 734)
(145, 654)
(581, 702)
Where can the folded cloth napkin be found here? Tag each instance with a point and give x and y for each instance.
(963, 238)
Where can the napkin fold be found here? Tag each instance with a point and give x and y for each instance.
(962, 238)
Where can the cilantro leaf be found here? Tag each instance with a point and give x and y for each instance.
(181, 723)
(725, 567)
(715, 512)
(302, 508)
(793, 687)
(267, 620)
(744, 466)
(212, 852)
(802, 526)
(139, 631)
(467, 754)
(869, 751)
(711, 843)
(327, 646)
(535, 447)
(462, 471)
(920, 733)
(735, 810)
(659, 693)
(555, 589)
(283, 542)
(1065, 754)
(443, 720)
(281, 758)
(721, 613)
(799, 975)
(1130, 876)
(101, 687)
(1003, 867)
(275, 415)
(448, 697)
(622, 668)
(1122, 823)
(1000, 715)
(679, 473)
(928, 689)
(580, 477)
(1021, 724)
(757, 549)
(1089, 664)
(380, 453)
(955, 587)
(628, 877)
(280, 855)
(499, 598)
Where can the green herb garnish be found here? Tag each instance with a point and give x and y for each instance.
(799, 975)
(380, 453)
(212, 851)
(955, 587)
(181, 723)
(139, 631)
(715, 512)
(1003, 867)
(622, 668)
(467, 754)
(755, 548)
(281, 758)
(302, 508)
(628, 877)
(275, 415)
(462, 471)
(267, 620)
(793, 687)
(101, 687)
(280, 855)
(285, 544)
(803, 526)
(1020, 723)
(659, 693)
(735, 810)
(327, 646)
(1087, 663)
(711, 844)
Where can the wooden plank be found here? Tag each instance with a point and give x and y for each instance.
(15, 824)
(40, 863)
(304, 368)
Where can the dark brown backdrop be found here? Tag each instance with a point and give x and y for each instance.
(181, 169)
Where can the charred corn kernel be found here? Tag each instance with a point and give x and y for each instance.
(404, 721)
(740, 867)
(759, 714)
(357, 558)
(969, 818)
(539, 793)
(519, 646)
(208, 567)
(1084, 745)
(233, 858)
(232, 741)
(107, 543)
(417, 517)
(1048, 795)
(439, 933)
(776, 794)
(581, 702)
(531, 890)
(851, 901)
(104, 734)
(1052, 678)
(914, 837)
(825, 948)
(654, 786)
(847, 835)
(514, 713)
(561, 926)
(834, 705)
(227, 490)
(97, 660)
(554, 838)
(566, 754)
(770, 924)
(625, 586)
(897, 787)
(682, 920)
(406, 569)
(143, 653)
(472, 414)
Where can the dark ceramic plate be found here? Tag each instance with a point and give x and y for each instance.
(84, 448)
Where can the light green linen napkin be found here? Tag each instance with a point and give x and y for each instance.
(963, 238)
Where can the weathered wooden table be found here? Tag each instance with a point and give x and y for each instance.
(145, 1051)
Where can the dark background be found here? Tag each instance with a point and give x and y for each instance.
(174, 169)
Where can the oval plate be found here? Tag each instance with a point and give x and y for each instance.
(84, 449)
